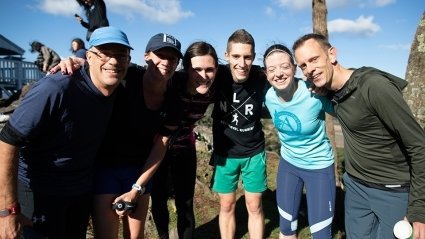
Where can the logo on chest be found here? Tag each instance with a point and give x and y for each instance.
(287, 122)
(237, 108)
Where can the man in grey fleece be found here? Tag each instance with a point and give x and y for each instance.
(384, 146)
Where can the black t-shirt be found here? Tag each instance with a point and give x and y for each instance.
(133, 126)
(237, 128)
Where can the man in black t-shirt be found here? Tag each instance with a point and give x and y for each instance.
(239, 145)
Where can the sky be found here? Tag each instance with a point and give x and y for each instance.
(376, 33)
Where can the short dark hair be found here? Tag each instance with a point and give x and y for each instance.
(199, 48)
(241, 36)
(322, 40)
(35, 46)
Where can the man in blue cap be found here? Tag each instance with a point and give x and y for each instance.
(49, 144)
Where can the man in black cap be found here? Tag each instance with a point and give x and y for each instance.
(56, 131)
(149, 110)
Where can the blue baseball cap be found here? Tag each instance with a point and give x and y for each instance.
(107, 35)
(162, 40)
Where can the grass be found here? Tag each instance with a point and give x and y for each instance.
(206, 202)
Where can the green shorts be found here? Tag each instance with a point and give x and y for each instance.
(252, 171)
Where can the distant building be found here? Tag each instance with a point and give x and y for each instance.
(14, 71)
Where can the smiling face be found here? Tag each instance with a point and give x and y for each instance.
(240, 57)
(201, 74)
(108, 65)
(280, 70)
(316, 63)
(162, 63)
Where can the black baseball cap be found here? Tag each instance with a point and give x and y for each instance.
(162, 40)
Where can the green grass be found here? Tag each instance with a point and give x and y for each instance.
(207, 203)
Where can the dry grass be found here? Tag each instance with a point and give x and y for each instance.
(207, 203)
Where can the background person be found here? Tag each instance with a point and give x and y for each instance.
(47, 58)
(95, 11)
(78, 48)
(384, 146)
(306, 154)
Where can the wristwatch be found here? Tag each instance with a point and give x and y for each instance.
(15, 209)
(138, 188)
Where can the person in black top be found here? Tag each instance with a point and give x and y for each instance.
(96, 15)
(239, 144)
(195, 87)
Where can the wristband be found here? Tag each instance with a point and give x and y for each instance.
(138, 188)
(14, 210)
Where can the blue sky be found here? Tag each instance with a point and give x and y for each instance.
(375, 33)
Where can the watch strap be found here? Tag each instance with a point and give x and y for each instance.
(140, 189)
(13, 210)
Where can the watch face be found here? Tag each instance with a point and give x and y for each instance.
(137, 187)
(4, 212)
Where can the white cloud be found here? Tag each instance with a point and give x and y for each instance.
(299, 5)
(162, 11)
(382, 3)
(59, 7)
(269, 11)
(295, 5)
(307, 4)
(398, 46)
(362, 26)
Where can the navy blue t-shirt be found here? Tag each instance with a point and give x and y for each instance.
(59, 124)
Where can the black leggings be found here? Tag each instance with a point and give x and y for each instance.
(180, 166)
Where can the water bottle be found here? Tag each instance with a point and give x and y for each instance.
(403, 230)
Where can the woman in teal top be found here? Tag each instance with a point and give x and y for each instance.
(307, 158)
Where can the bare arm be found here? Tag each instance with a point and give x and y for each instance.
(152, 163)
(9, 225)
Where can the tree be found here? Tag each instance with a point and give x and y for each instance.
(320, 26)
(415, 74)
